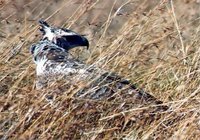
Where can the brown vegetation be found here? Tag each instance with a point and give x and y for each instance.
(155, 44)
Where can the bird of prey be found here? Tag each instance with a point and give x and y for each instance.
(64, 38)
(53, 61)
(90, 83)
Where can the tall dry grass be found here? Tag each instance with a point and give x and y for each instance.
(153, 43)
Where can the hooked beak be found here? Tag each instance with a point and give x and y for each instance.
(85, 42)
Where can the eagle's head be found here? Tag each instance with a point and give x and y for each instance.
(64, 38)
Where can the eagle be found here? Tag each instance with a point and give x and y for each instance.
(53, 61)
(88, 84)
(64, 38)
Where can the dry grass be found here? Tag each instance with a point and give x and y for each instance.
(155, 44)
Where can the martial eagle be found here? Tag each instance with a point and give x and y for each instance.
(53, 60)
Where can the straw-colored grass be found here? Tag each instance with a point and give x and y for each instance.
(155, 44)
